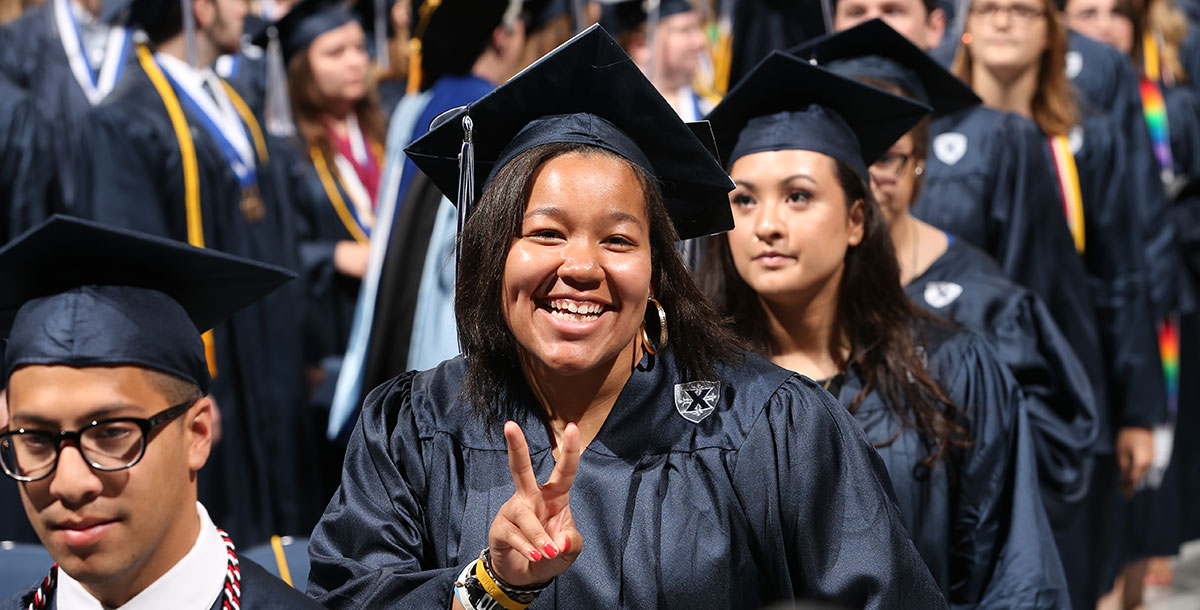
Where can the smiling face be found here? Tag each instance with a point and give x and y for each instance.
(119, 529)
(792, 224)
(578, 275)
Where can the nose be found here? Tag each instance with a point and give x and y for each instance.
(767, 225)
(581, 263)
(74, 482)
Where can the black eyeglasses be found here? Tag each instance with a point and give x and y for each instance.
(889, 167)
(106, 444)
(1020, 13)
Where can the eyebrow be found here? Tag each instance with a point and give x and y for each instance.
(800, 176)
(100, 413)
(558, 213)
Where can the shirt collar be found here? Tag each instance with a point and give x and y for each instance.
(193, 583)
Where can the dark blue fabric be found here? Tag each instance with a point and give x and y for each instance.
(108, 326)
(814, 128)
(775, 494)
(885, 70)
(258, 481)
(27, 169)
(1057, 392)
(980, 526)
(32, 58)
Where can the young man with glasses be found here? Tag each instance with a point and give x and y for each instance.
(109, 419)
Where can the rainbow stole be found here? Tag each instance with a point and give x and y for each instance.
(1067, 175)
(1154, 108)
(1168, 350)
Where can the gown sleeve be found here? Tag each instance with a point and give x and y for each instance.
(1000, 554)
(370, 548)
(835, 526)
(26, 167)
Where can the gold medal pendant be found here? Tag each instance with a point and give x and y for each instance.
(251, 205)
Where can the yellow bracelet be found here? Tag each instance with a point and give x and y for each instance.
(493, 589)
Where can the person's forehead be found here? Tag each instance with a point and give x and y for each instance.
(914, 4)
(63, 395)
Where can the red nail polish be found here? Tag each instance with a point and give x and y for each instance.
(566, 545)
(551, 552)
(534, 555)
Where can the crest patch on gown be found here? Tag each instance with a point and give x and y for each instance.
(695, 400)
(1074, 64)
(950, 147)
(941, 294)
(1075, 139)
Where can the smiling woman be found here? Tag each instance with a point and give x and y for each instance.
(695, 474)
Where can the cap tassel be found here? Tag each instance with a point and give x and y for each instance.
(466, 179)
(414, 66)
(278, 111)
(189, 30)
(382, 52)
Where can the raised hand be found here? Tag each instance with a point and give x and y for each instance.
(533, 537)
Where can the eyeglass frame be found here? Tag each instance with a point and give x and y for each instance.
(906, 158)
(146, 424)
(1011, 10)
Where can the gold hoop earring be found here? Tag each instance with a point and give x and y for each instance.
(662, 323)
(646, 342)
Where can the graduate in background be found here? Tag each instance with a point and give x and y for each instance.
(1016, 61)
(176, 152)
(670, 54)
(68, 55)
(711, 477)
(953, 279)
(810, 278)
(1150, 36)
(110, 417)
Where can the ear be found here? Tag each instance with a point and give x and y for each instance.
(935, 28)
(204, 11)
(200, 432)
(856, 222)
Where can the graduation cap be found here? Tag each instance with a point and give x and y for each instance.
(82, 294)
(586, 91)
(538, 13)
(307, 20)
(876, 51)
(785, 103)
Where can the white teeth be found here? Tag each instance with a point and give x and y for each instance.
(576, 310)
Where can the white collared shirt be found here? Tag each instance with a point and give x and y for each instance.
(93, 31)
(221, 111)
(191, 584)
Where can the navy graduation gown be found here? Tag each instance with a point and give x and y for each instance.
(775, 495)
(27, 172)
(978, 522)
(258, 481)
(33, 59)
(1108, 86)
(260, 590)
(968, 288)
(319, 228)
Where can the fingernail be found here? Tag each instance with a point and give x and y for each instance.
(566, 545)
(534, 555)
(551, 552)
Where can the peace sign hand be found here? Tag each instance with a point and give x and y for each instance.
(533, 537)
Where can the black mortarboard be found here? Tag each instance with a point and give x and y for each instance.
(874, 50)
(586, 91)
(81, 294)
(785, 103)
(304, 23)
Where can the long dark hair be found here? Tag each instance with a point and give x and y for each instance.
(873, 313)
(308, 105)
(697, 336)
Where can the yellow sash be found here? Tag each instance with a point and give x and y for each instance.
(1068, 187)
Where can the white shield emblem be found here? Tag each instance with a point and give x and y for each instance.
(950, 147)
(1075, 139)
(941, 294)
(695, 400)
(1074, 64)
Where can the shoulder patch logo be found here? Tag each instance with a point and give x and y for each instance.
(1074, 64)
(950, 147)
(695, 400)
(941, 294)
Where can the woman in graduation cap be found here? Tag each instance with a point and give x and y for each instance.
(810, 278)
(950, 277)
(678, 471)
(336, 177)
